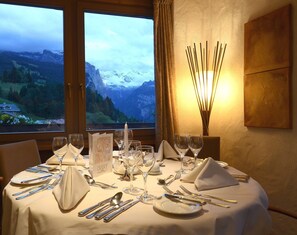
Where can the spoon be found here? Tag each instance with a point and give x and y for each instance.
(114, 200)
(91, 181)
(163, 181)
(176, 177)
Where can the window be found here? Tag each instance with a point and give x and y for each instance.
(31, 69)
(48, 68)
(119, 71)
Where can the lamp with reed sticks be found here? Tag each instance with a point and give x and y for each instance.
(205, 77)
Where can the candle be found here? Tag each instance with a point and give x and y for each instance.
(126, 139)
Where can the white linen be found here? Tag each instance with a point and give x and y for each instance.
(71, 189)
(67, 160)
(209, 175)
(166, 151)
(40, 213)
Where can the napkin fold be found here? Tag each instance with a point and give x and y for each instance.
(67, 160)
(72, 188)
(210, 175)
(166, 151)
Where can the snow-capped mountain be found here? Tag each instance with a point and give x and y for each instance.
(132, 92)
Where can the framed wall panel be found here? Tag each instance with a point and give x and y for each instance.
(267, 65)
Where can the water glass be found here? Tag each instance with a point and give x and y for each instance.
(145, 165)
(181, 146)
(76, 145)
(195, 144)
(60, 148)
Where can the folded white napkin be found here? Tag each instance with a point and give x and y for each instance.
(67, 160)
(166, 151)
(209, 175)
(72, 188)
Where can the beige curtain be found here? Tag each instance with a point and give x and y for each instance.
(164, 62)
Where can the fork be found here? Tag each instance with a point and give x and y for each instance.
(198, 196)
(207, 195)
(47, 186)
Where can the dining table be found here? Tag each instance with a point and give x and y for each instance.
(40, 213)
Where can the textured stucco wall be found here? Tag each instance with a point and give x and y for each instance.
(268, 155)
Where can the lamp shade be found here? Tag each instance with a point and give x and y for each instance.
(205, 77)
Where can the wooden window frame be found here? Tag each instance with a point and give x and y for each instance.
(74, 77)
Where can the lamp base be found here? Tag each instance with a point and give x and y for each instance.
(211, 147)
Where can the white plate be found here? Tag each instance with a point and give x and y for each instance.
(155, 173)
(17, 179)
(222, 164)
(178, 208)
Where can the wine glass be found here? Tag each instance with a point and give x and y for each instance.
(60, 147)
(76, 145)
(130, 161)
(181, 146)
(145, 165)
(195, 144)
(118, 137)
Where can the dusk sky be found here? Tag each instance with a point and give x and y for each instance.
(111, 41)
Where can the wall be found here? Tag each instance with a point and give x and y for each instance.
(268, 155)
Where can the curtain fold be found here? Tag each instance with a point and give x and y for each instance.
(165, 74)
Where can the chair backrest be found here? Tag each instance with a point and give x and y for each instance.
(16, 157)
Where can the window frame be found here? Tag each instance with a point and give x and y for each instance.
(74, 67)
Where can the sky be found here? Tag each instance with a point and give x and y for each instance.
(110, 41)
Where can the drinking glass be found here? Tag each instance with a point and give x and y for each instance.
(130, 161)
(195, 144)
(181, 146)
(60, 147)
(76, 145)
(118, 137)
(145, 165)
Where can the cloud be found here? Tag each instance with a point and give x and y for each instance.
(25, 28)
(112, 42)
(124, 43)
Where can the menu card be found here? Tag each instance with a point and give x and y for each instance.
(100, 152)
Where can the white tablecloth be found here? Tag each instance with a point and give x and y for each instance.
(40, 214)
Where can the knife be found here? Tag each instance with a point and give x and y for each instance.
(32, 192)
(106, 212)
(34, 179)
(114, 214)
(47, 186)
(88, 210)
(180, 197)
(26, 190)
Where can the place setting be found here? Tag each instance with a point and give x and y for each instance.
(64, 174)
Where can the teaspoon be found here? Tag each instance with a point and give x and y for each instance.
(114, 200)
(91, 181)
(163, 181)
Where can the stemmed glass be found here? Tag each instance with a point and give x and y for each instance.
(195, 144)
(76, 145)
(118, 137)
(145, 165)
(130, 162)
(60, 147)
(181, 146)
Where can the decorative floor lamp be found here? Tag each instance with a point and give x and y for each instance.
(205, 77)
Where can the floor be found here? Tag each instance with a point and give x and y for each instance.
(283, 225)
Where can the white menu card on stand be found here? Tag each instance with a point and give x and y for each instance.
(100, 151)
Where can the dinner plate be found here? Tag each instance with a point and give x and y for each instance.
(155, 173)
(178, 208)
(222, 164)
(17, 179)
